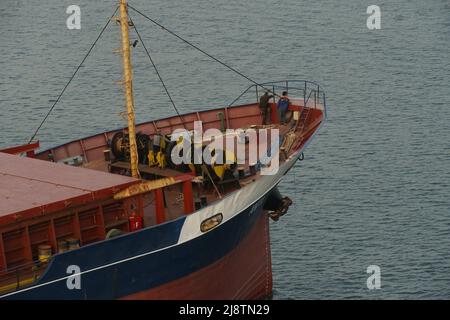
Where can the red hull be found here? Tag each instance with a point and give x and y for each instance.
(245, 273)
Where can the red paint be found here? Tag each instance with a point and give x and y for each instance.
(274, 113)
(31, 187)
(99, 218)
(26, 148)
(159, 204)
(292, 107)
(27, 248)
(188, 197)
(2, 255)
(92, 147)
(245, 273)
(314, 119)
(236, 117)
(52, 235)
(136, 222)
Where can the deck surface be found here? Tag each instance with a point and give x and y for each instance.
(27, 184)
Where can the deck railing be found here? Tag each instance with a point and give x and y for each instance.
(15, 278)
(310, 92)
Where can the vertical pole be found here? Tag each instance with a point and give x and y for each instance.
(274, 109)
(2, 256)
(188, 197)
(304, 97)
(128, 87)
(318, 94)
(77, 228)
(100, 222)
(315, 99)
(159, 204)
(140, 206)
(52, 235)
(27, 244)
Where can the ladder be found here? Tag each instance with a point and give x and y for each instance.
(303, 118)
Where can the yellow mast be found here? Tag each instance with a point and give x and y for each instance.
(128, 88)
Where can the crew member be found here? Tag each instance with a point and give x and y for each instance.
(264, 106)
(283, 104)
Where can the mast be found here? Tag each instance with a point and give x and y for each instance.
(128, 88)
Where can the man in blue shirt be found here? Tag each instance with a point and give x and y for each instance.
(283, 105)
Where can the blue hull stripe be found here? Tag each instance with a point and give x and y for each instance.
(147, 271)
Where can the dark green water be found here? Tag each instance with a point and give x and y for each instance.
(374, 186)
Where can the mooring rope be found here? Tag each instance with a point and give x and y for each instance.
(157, 71)
(201, 50)
(151, 60)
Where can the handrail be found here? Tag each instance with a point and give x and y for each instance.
(307, 99)
(19, 276)
(243, 94)
(28, 148)
(20, 266)
(305, 87)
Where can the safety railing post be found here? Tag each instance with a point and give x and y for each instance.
(304, 97)
(318, 93)
(286, 85)
(273, 96)
(17, 279)
(315, 99)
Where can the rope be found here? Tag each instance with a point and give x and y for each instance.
(72, 77)
(202, 51)
(157, 72)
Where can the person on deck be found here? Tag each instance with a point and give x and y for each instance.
(283, 104)
(264, 106)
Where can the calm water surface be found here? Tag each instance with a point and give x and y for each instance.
(374, 186)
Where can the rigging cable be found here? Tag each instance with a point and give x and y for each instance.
(157, 71)
(201, 50)
(72, 77)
